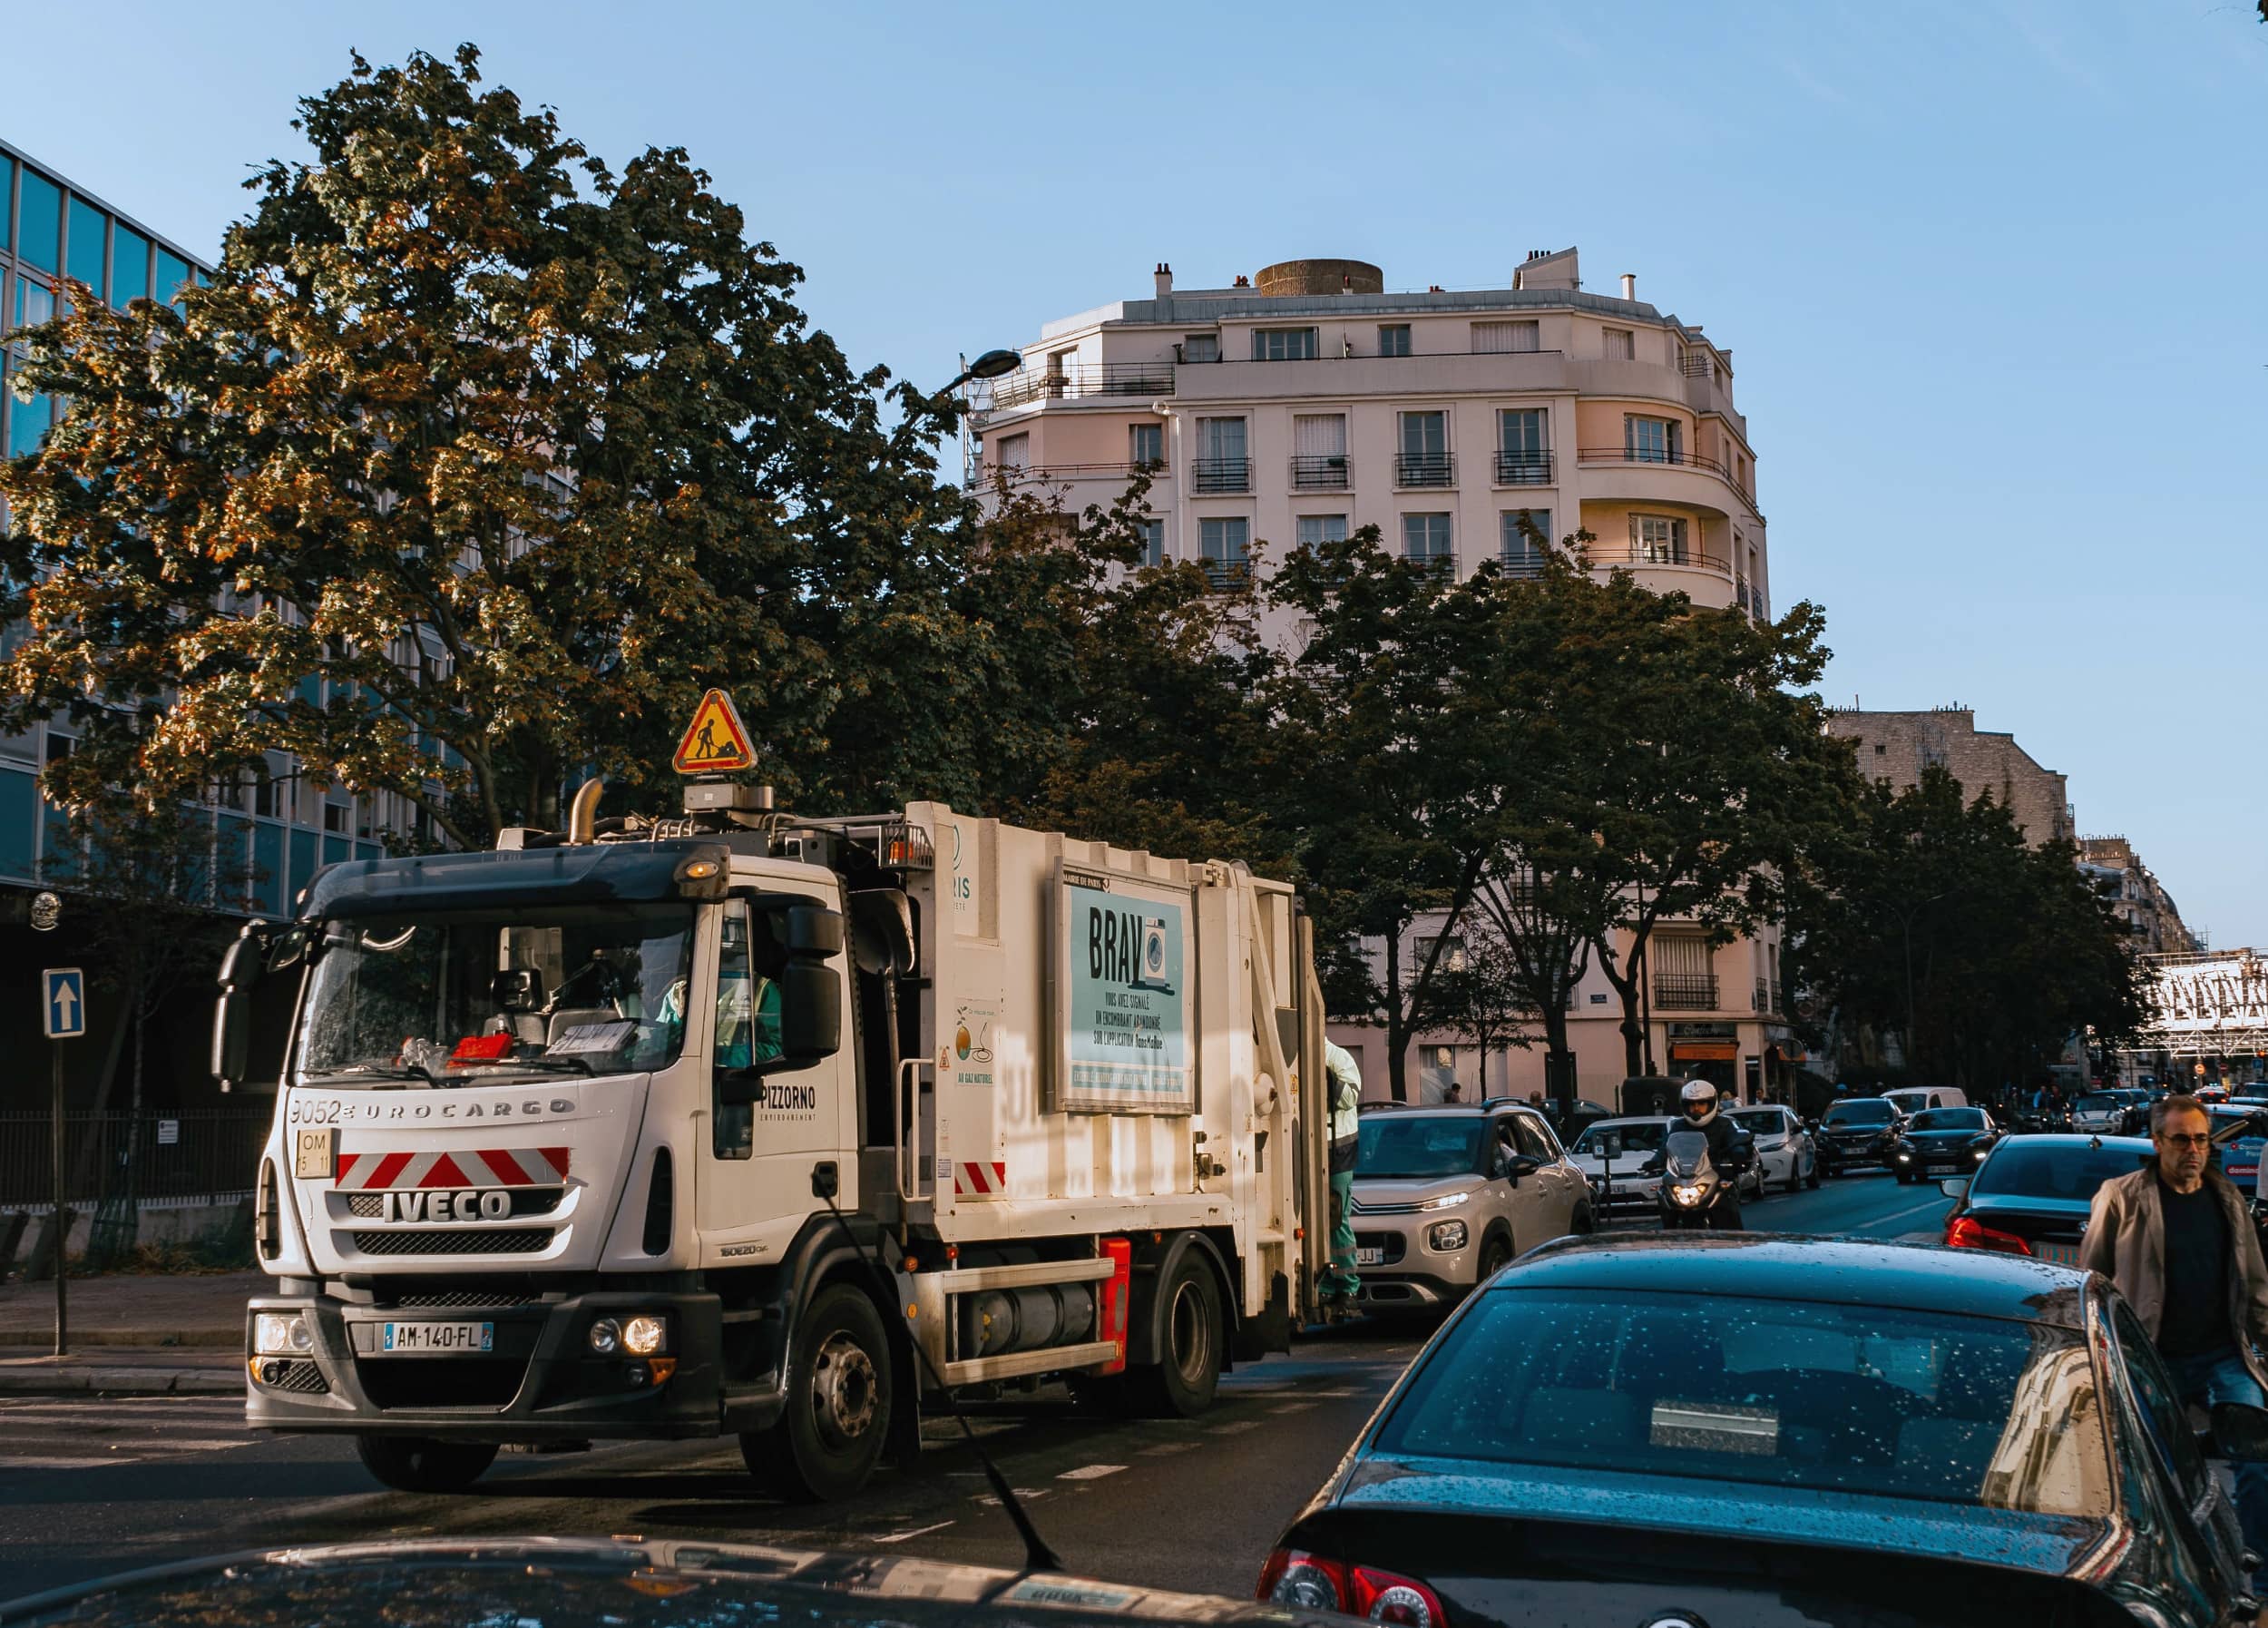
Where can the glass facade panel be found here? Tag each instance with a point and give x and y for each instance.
(87, 249)
(302, 862)
(173, 272)
(130, 266)
(19, 818)
(39, 222)
(7, 197)
(59, 851)
(27, 423)
(34, 303)
(267, 870)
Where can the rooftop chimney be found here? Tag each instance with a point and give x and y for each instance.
(1243, 281)
(1629, 285)
(1549, 269)
(1165, 279)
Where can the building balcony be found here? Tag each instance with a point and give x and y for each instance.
(1327, 472)
(1523, 469)
(1228, 576)
(1425, 469)
(1024, 387)
(1523, 563)
(1217, 476)
(1440, 566)
(1676, 481)
(1762, 1000)
(1685, 991)
(1064, 473)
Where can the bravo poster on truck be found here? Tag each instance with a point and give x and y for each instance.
(1124, 999)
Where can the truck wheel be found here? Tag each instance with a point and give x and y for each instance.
(1181, 1386)
(838, 1404)
(421, 1465)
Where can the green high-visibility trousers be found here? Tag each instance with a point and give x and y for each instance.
(1340, 1279)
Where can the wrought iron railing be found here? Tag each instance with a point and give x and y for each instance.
(1322, 472)
(1082, 378)
(1442, 565)
(1685, 991)
(1220, 474)
(1425, 469)
(1227, 575)
(1523, 468)
(199, 1156)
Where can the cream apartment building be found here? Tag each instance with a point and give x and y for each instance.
(1306, 402)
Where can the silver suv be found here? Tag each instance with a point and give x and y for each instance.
(1444, 1196)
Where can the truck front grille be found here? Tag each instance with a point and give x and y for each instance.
(526, 1200)
(459, 1299)
(297, 1375)
(454, 1240)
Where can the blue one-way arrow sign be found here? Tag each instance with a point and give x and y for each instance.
(65, 1010)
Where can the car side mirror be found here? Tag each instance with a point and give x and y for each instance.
(1521, 1164)
(2240, 1431)
(1954, 1187)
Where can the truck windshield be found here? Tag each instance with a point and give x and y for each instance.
(451, 998)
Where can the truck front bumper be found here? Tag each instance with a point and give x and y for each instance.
(539, 1381)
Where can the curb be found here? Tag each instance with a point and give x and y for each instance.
(121, 1381)
(147, 1339)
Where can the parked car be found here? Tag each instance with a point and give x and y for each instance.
(1445, 1195)
(1748, 1429)
(1918, 1098)
(1579, 1118)
(1952, 1139)
(2101, 1112)
(2032, 1195)
(2237, 1135)
(1786, 1156)
(1857, 1131)
(1618, 1182)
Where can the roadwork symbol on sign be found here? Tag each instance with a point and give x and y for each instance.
(716, 741)
(64, 1008)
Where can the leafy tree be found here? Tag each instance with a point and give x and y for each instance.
(1480, 997)
(474, 464)
(1935, 918)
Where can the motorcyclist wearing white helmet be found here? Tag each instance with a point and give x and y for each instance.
(1731, 1149)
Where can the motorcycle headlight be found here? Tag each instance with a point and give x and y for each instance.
(1689, 1192)
(1445, 1235)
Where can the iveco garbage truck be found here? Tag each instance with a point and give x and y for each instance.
(737, 1122)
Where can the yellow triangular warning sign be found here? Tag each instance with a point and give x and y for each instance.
(716, 741)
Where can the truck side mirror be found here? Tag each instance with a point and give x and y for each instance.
(881, 931)
(258, 992)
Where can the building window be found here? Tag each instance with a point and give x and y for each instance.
(1316, 530)
(1146, 446)
(172, 275)
(1527, 541)
(334, 816)
(1523, 448)
(1652, 440)
(86, 250)
(1621, 344)
(130, 266)
(1014, 452)
(1881, 751)
(27, 423)
(1658, 540)
(1319, 452)
(35, 303)
(39, 234)
(1426, 539)
(1424, 460)
(1153, 533)
(1201, 348)
(1498, 338)
(1393, 339)
(1222, 462)
(1283, 344)
(1451, 957)
(1223, 544)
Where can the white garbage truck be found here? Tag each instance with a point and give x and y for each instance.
(743, 1124)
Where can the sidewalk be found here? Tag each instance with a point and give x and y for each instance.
(130, 1335)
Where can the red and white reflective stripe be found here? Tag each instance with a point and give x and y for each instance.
(457, 1167)
(981, 1180)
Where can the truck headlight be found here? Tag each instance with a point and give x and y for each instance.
(644, 1335)
(281, 1333)
(1445, 1235)
(606, 1336)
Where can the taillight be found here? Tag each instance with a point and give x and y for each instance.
(1294, 1577)
(1967, 1232)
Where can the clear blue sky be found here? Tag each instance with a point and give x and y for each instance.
(1991, 274)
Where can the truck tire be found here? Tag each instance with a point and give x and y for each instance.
(421, 1465)
(1181, 1382)
(837, 1420)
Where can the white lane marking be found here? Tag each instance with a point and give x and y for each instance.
(1025, 1493)
(899, 1537)
(1090, 1472)
(1241, 1424)
(1292, 1407)
(1163, 1448)
(63, 1464)
(1912, 1209)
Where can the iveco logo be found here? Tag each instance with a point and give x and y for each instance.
(461, 1205)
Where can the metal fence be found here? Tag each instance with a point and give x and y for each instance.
(183, 1158)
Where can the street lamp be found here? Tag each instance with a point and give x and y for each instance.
(1905, 923)
(990, 365)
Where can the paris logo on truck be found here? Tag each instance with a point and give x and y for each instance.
(716, 741)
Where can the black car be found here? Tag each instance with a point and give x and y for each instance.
(583, 1582)
(1952, 1139)
(1857, 1130)
(2031, 1197)
(1771, 1431)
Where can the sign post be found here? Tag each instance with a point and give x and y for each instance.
(62, 1012)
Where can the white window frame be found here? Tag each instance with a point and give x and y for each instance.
(1285, 344)
(1312, 530)
(1618, 344)
(1658, 539)
(1424, 520)
(1013, 452)
(1135, 436)
(1520, 335)
(1402, 329)
(1635, 448)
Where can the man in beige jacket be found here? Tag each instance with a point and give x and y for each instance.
(2177, 1238)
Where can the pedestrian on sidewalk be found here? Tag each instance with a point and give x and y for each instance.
(1341, 1282)
(2174, 1238)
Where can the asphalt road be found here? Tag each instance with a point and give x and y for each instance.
(95, 1486)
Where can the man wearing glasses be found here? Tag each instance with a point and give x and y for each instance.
(2174, 1238)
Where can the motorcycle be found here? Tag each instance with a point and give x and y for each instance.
(1695, 1191)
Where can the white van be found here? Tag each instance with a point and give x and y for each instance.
(1913, 1099)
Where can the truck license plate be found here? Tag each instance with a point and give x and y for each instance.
(1370, 1257)
(418, 1339)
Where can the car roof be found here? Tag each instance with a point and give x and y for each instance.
(1828, 1270)
(1631, 1119)
(2078, 1139)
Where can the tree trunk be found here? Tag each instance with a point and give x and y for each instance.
(1397, 1036)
